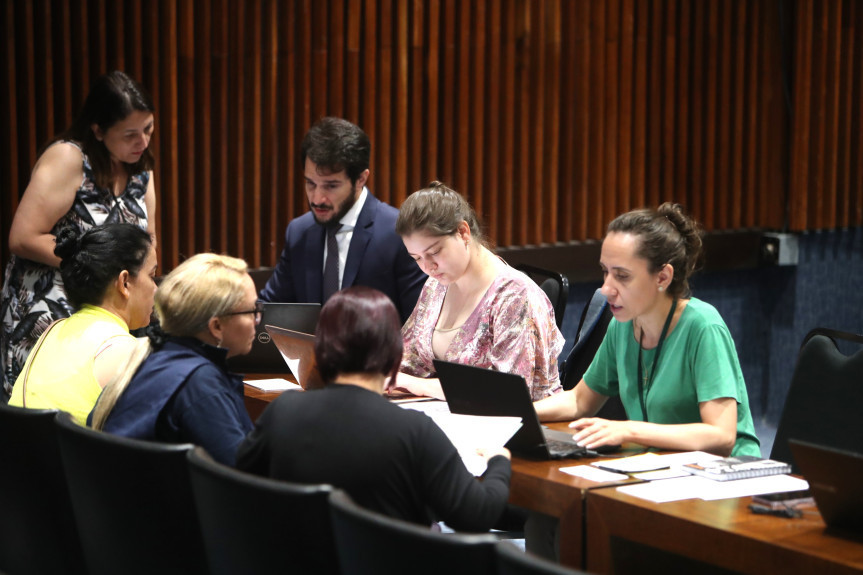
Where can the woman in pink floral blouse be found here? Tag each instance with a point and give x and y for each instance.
(474, 308)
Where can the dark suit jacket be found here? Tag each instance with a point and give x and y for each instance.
(376, 258)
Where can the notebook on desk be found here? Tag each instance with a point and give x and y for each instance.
(477, 391)
(264, 357)
(834, 478)
(297, 350)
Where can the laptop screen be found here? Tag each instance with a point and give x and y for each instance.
(264, 357)
(834, 481)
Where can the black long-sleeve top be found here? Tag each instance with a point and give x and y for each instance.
(392, 460)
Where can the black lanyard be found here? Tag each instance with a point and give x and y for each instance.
(641, 390)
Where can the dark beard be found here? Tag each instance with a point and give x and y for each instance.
(335, 220)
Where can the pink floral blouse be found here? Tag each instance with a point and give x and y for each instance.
(512, 330)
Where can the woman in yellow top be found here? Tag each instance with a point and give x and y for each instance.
(108, 273)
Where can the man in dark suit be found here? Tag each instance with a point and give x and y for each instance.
(348, 237)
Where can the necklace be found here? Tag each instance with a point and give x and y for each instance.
(645, 377)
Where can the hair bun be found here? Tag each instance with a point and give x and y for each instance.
(439, 186)
(68, 243)
(689, 230)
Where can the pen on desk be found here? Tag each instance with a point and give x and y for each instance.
(626, 471)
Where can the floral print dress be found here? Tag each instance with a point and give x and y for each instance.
(33, 295)
(512, 329)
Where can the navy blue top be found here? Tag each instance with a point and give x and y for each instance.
(183, 392)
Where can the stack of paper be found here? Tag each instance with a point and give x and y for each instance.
(277, 384)
(694, 487)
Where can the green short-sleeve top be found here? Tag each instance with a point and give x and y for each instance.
(698, 363)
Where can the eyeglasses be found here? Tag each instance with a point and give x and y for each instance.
(258, 311)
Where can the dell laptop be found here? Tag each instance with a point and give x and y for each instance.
(264, 357)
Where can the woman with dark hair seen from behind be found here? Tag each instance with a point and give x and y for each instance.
(99, 171)
(474, 308)
(392, 460)
(109, 276)
(669, 356)
(183, 391)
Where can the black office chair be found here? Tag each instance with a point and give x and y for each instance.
(252, 524)
(513, 561)
(133, 503)
(824, 398)
(554, 284)
(369, 542)
(260, 276)
(592, 326)
(37, 526)
(591, 330)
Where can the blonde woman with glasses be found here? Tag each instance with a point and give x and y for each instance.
(183, 392)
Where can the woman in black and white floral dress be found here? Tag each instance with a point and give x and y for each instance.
(98, 171)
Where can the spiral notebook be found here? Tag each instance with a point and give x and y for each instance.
(740, 467)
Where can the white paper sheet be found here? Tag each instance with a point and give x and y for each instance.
(755, 486)
(427, 407)
(670, 473)
(469, 432)
(694, 487)
(592, 473)
(652, 461)
(277, 384)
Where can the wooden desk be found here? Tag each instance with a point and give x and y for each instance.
(541, 486)
(723, 534)
(257, 400)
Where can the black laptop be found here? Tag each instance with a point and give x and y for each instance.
(834, 481)
(476, 391)
(264, 356)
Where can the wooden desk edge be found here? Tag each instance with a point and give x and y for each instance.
(801, 547)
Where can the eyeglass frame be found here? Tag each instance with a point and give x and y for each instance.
(258, 311)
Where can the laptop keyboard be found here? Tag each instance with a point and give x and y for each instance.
(559, 448)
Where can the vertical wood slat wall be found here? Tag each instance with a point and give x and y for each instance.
(826, 176)
(552, 116)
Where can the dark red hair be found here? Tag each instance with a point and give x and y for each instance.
(358, 332)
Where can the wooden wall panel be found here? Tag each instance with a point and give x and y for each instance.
(552, 116)
(824, 180)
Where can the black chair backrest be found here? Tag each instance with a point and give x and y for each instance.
(260, 276)
(513, 561)
(257, 525)
(824, 398)
(591, 330)
(133, 502)
(554, 284)
(592, 326)
(369, 542)
(37, 526)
